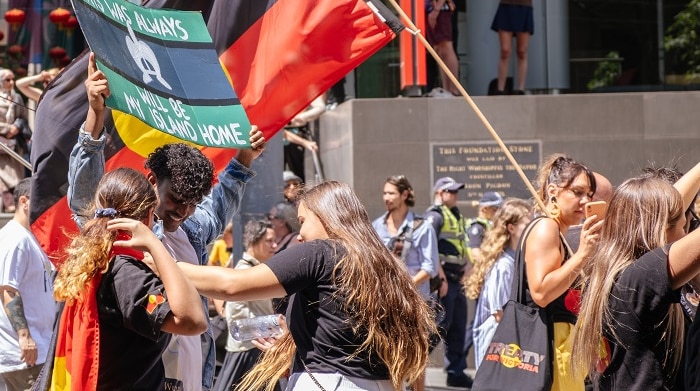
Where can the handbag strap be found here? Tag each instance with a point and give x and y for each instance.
(313, 378)
(517, 292)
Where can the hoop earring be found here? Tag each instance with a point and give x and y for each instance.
(553, 208)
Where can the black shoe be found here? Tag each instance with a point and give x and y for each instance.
(461, 381)
(518, 92)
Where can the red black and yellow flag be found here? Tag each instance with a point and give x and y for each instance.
(77, 356)
(279, 55)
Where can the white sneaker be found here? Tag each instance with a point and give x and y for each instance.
(439, 92)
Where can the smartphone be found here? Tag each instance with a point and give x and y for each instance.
(597, 208)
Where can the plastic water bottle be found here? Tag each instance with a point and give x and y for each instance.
(257, 327)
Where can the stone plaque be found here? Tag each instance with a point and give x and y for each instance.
(482, 167)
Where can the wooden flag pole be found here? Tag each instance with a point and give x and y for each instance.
(414, 30)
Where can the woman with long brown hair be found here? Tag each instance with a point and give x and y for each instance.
(356, 320)
(631, 300)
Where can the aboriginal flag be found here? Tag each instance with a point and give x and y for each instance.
(77, 356)
(279, 55)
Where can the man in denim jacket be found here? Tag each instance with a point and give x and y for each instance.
(189, 215)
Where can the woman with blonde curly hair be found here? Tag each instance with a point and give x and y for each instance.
(631, 300)
(118, 315)
(356, 320)
(552, 270)
(491, 278)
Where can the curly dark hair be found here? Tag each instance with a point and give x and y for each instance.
(191, 174)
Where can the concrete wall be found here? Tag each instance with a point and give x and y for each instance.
(364, 141)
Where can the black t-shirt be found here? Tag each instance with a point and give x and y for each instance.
(639, 301)
(132, 306)
(315, 315)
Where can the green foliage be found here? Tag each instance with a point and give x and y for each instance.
(606, 72)
(683, 37)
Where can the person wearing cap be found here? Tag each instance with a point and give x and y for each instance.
(450, 226)
(477, 227)
(292, 186)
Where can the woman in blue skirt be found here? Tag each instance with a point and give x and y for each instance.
(513, 19)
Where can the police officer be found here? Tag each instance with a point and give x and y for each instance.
(450, 228)
(477, 227)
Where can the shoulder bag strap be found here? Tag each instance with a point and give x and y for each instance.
(517, 293)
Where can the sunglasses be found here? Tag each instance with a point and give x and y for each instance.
(9, 79)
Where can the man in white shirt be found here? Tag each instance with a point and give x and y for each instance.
(26, 292)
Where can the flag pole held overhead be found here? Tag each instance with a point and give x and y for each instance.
(415, 31)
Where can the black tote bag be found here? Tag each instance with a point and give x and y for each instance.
(520, 354)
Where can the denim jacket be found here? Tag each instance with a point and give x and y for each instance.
(86, 168)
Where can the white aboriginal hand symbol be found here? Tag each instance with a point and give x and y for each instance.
(144, 58)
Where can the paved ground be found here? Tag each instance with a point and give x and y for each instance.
(435, 376)
(434, 379)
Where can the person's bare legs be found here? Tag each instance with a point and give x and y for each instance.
(522, 41)
(447, 54)
(505, 39)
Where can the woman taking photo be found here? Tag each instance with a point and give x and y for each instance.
(356, 320)
(550, 267)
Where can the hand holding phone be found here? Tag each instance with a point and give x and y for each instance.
(597, 208)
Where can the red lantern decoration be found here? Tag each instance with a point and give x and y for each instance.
(59, 16)
(71, 23)
(57, 52)
(15, 50)
(15, 17)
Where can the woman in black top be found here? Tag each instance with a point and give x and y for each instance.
(354, 316)
(631, 307)
(130, 311)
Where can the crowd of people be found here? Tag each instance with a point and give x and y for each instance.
(362, 303)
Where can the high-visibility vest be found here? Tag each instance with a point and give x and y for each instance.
(452, 230)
